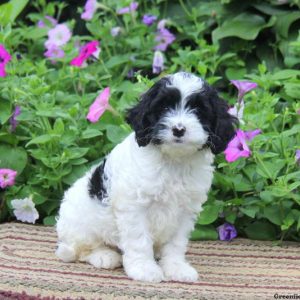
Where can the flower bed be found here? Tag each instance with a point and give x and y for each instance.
(69, 71)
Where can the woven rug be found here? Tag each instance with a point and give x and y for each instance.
(241, 269)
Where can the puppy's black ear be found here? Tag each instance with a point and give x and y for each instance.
(143, 117)
(223, 124)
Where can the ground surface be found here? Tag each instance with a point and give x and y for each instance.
(241, 269)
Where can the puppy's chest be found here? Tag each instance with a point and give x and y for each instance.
(170, 197)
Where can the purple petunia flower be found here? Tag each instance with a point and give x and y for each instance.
(297, 156)
(250, 135)
(128, 9)
(42, 24)
(115, 31)
(58, 36)
(243, 87)
(54, 52)
(164, 37)
(12, 120)
(89, 10)
(7, 177)
(158, 62)
(149, 19)
(227, 232)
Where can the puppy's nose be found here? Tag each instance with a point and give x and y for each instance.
(178, 130)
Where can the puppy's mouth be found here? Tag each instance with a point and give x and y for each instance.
(178, 141)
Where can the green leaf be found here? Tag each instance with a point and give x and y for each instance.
(285, 74)
(273, 214)
(245, 26)
(49, 221)
(209, 214)
(204, 233)
(117, 60)
(13, 158)
(77, 172)
(250, 211)
(284, 22)
(261, 230)
(59, 126)
(288, 221)
(90, 133)
(230, 217)
(76, 152)
(115, 134)
(5, 111)
(292, 89)
(9, 11)
(42, 139)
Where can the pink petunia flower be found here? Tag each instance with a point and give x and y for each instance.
(24, 210)
(12, 120)
(297, 156)
(87, 50)
(4, 59)
(243, 87)
(128, 9)
(89, 9)
(238, 147)
(158, 62)
(54, 52)
(164, 37)
(7, 177)
(99, 106)
(58, 36)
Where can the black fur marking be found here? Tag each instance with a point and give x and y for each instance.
(144, 116)
(96, 184)
(212, 111)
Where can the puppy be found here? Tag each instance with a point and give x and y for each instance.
(138, 207)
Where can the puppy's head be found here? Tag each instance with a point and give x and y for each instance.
(182, 113)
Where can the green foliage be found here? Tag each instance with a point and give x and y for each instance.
(54, 144)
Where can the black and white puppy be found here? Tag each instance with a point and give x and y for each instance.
(142, 201)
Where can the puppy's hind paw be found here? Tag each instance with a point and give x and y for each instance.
(104, 258)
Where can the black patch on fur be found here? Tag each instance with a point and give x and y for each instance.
(144, 117)
(212, 111)
(96, 184)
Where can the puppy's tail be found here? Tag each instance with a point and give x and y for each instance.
(66, 253)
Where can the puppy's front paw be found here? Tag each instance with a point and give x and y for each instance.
(148, 271)
(179, 271)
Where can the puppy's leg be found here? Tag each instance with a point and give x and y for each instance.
(104, 257)
(172, 261)
(137, 246)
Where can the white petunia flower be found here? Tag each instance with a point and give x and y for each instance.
(24, 210)
(238, 111)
